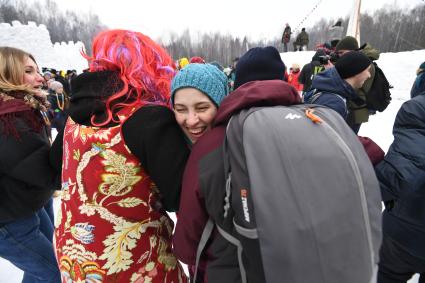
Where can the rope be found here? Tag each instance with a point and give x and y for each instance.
(309, 13)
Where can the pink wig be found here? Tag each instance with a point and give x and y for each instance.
(145, 69)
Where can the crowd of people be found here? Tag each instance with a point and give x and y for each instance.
(140, 135)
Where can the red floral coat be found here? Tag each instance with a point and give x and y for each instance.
(108, 229)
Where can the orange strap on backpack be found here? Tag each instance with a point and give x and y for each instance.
(314, 118)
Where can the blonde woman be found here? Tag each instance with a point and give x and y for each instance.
(28, 171)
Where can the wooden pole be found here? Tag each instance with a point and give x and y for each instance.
(354, 23)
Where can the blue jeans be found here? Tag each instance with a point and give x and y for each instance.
(46, 227)
(27, 244)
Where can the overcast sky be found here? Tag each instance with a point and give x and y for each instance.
(260, 19)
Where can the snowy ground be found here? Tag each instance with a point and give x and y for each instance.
(400, 70)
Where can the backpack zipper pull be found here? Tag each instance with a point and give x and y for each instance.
(314, 118)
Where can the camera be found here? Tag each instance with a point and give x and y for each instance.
(334, 57)
(324, 59)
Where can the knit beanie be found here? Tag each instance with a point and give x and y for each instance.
(351, 64)
(259, 64)
(204, 77)
(422, 66)
(347, 43)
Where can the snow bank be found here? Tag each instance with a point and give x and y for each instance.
(35, 39)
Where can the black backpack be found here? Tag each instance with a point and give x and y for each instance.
(379, 95)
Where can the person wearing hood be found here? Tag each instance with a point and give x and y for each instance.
(123, 160)
(259, 82)
(418, 87)
(337, 86)
(29, 171)
(335, 33)
(402, 177)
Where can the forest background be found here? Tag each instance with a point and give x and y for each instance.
(388, 29)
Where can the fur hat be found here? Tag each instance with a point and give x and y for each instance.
(259, 64)
(205, 77)
(351, 64)
(347, 43)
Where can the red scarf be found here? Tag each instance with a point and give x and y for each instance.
(20, 105)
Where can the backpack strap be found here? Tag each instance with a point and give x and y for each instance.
(206, 234)
(238, 245)
(227, 172)
(209, 227)
(228, 193)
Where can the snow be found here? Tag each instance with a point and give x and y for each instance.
(36, 40)
(400, 69)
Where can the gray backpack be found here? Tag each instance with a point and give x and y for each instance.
(297, 199)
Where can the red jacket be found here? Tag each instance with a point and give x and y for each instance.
(192, 214)
(293, 80)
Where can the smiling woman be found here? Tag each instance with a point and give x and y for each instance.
(28, 173)
(196, 92)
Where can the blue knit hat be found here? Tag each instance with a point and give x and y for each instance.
(204, 77)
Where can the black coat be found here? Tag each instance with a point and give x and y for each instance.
(311, 69)
(27, 175)
(402, 178)
(151, 133)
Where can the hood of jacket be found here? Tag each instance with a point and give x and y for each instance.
(370, 52)
(330, 81)
(256, 94)
(89, 93)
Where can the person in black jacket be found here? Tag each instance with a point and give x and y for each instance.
(402, 179)
(29, 172)
(311, 69)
